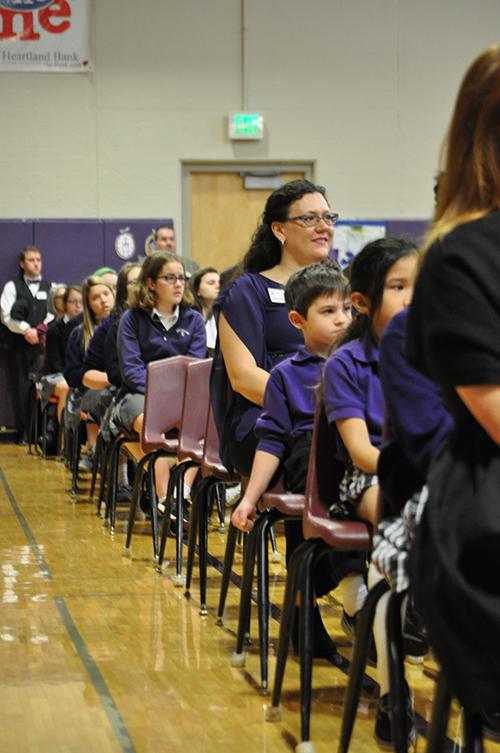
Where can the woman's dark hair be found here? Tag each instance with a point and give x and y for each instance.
(122, 288)
(194, 286)
(265, 249)
(367, 274)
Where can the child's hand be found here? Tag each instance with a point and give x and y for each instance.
(243, 515)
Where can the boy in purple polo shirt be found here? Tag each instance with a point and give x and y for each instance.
(317, 298)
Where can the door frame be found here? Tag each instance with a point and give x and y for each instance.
(188, 167)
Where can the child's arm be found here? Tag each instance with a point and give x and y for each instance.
(264, 467)
(355, 436)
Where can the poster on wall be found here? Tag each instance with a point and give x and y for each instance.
(45, 35)
(350, 237)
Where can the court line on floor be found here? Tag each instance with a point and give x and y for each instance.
(114, 717)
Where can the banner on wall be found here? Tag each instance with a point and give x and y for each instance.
(45, 35)
(350, 237)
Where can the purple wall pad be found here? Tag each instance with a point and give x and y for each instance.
(414, 229)
(14, 235)
(71, 249)
(125, 240)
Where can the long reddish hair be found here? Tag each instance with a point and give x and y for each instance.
(469, 186)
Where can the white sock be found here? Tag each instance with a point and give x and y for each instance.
(122, 474)
(380, 631)
(353, 591)
(161, 503)
(186, 491)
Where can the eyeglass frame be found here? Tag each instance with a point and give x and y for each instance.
(171, 279)
(317, 219)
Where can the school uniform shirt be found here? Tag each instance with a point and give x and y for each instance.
(254, 307)
(289, 402)
(58, 333)
(416, 420)
(75, 354)
(453, 336)
(142, 338)
(352, 389)
(94, 357)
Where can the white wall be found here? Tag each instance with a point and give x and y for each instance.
(363, 87)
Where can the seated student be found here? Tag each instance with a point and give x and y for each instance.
(108, 276)
(95, 366)
(58, 331)
(157, 325)
(98, 300)
(382, 277)
(204, 286)
(317, 298)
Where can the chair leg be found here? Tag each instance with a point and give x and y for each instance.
(397, 672)
(440, 714)
(232, 536)
(238, 657)
(263, 594)
(358, 663)
(112, 483)
(98, 463)
(220, 501)
(104, 473)
(193, 530)
(165, 528)
(286, 625)
(75, 459)
(306, 639)
(203, 541)
(44, 431)
(154, 503)
(136, 493)
(473, 733)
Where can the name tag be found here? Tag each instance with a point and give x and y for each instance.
(41, 295)
(276, 295)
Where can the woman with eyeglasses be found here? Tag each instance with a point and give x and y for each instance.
(296, 229)
(158, 325)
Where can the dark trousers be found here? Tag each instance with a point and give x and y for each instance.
(24, 360)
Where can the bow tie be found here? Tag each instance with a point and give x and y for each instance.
(33, 280)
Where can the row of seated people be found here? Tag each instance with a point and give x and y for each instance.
(284, 328)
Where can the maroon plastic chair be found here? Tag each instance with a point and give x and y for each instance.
(165, 382)
(214, 472)
(189, 452)
(322, 534)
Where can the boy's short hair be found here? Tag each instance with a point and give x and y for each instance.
(312, 282)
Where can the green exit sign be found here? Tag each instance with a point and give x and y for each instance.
(246, 126)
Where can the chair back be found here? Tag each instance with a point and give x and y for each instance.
(212, 463)
(165, 381)
(195, 410)
(323, 478)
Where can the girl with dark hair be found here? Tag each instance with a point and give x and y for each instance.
(254, 332)
(453, 338)
(382, 277)
(205, 286)
(159, 324)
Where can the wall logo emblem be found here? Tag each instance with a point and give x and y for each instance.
(125, 244)
(25, 5)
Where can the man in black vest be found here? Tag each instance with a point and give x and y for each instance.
(23, 307)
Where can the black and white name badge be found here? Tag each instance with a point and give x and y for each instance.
(41, 295)
(276, 295)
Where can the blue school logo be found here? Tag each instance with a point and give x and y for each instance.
(25, 5)
(182, 332)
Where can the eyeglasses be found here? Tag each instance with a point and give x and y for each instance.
(75, 301)
(130, 283)
(311, 220)
(172, 279)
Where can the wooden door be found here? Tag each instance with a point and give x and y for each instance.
(224, 216)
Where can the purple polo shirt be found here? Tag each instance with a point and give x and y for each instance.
(417, 421)
(352, 388)
(142, 339)
(254, 307)
(94, 357)
(289, 402)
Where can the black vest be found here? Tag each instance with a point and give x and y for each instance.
(28, 308)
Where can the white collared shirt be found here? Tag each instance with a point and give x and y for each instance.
(167, 321)
(8, 299)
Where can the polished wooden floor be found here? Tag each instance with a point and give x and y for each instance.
(101, 653)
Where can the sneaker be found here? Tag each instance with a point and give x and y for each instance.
(383, 727)
(86, 463)
(414, 640)
(124, 493)
(349, 626)
(233, 494)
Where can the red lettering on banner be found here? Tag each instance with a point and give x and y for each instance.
(59, 9)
